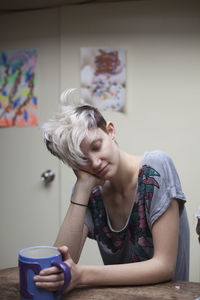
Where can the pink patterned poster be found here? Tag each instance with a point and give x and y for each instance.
(18, 102)
(103, 78)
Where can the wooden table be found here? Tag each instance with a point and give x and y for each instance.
(179, 290)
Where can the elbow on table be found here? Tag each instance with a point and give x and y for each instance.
(164, 270)
(167, 272)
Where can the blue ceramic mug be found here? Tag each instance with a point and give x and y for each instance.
(31, 261)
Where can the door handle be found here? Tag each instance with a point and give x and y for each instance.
(48, 176)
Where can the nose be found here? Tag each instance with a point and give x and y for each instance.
(95, 162)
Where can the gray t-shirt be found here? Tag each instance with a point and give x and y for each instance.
(158, 183)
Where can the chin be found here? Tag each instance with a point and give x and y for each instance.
(109, 175)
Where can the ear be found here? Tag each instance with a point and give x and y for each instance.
(110, 129)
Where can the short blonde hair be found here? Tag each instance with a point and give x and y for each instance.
(65, 131)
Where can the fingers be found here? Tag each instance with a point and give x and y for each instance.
(49, 279)
(49, 271)
(65, 252)
(52, 278)
(49, 285)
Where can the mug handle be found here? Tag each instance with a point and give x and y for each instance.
(67, 275)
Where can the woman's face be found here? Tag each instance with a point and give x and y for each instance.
(101, 151)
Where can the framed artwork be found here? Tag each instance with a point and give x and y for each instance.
(103, 78)
(18, 102)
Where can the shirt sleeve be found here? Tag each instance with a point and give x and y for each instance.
(166, 185)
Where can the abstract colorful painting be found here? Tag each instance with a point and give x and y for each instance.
(103, 78)
(18, 102)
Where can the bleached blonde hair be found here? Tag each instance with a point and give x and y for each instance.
(65, 131)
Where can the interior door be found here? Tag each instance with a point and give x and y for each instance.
(29, 209)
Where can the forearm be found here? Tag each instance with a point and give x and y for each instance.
(71, 232)
(147, 272)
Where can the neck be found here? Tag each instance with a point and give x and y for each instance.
(127, 174)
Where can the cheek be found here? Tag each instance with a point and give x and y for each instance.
(113, 153)
(114, 148)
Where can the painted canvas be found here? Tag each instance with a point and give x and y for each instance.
(18, 102)
(103, 78)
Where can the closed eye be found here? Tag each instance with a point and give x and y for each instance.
(96, 146)
(84, 158)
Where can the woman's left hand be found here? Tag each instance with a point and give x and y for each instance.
(52, 278)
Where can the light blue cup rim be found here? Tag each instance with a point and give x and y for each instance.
(39, 258)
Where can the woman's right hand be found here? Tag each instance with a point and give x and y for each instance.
(87, 179)
(52, 278)
(84, 185)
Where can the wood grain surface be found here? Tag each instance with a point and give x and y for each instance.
(179, 290)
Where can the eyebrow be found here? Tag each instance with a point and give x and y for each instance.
(95, 140)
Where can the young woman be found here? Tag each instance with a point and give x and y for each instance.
(133, 206)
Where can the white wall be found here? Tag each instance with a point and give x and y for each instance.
(29, 211)
(162, 39)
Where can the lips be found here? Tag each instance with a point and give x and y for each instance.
(103, 170)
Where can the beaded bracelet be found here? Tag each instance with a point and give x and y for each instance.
(79, 204)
